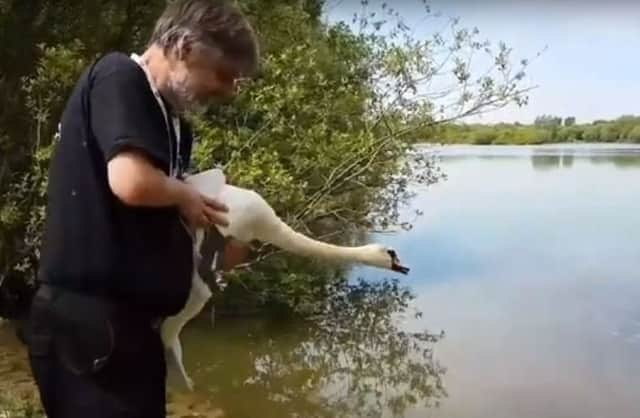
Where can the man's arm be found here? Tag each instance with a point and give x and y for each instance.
(136, 182)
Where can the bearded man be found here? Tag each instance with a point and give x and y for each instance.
(117, 255)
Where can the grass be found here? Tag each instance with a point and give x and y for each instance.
(13, 406)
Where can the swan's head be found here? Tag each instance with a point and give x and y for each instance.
(385, 257)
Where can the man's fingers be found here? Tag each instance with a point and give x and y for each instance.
(215, 204)
(199, 222)
(215, 217)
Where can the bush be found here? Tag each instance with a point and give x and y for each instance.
(322, 134)
(634, 134)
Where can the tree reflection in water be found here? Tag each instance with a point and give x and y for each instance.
(350, 360)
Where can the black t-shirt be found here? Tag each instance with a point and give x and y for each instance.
(141, 256)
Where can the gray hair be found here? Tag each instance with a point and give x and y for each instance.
(214, 23)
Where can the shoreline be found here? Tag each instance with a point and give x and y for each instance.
(570, 149)
(19, 395)
(577, 144)
(18, 392)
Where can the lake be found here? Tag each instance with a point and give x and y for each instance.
(528, 258)
(525, 273)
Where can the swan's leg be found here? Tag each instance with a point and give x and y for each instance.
(172, 326)
(174, 364)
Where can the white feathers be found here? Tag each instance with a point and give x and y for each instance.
(252, 218)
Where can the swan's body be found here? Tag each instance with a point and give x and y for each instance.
(251, 218)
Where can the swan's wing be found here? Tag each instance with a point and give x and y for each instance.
(208, 182)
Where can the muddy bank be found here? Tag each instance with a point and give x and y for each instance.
(19, 396)
(19, 393)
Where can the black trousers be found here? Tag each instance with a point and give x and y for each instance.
(131, 384)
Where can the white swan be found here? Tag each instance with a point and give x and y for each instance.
(251, 218)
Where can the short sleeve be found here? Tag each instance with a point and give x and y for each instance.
(125, 114)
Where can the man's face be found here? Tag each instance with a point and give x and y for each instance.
(199, 78)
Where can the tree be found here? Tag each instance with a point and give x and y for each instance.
(323, 133)
(26, 29)
(569, 121)
(45, 46)
(608, 132)
(592, 133)
(353, 101)
(634, 134)
(548, 120)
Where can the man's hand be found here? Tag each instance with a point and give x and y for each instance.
(136, 182)
(200, 210)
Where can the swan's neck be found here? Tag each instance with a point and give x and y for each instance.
(282, 236)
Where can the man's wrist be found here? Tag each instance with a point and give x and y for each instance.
(176, 189)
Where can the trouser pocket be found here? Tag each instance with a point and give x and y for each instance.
(84, 331)
(39, 329)
(84, 337)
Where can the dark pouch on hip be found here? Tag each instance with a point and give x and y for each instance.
(85, 333)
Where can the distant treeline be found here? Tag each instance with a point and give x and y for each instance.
(545, 129)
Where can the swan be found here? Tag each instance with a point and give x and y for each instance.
(251, 218)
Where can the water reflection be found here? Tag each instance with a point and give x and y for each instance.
(543, 157)
(567, 160)
(351, 360)
(545, 162)
(527, 257)
(620, 161)
(533, 272)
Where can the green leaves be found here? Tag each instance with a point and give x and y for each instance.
(545, 129)
(22, 209)
(44, 50)
(54, 77)
(324, 132)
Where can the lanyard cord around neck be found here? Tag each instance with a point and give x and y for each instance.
(174, 162)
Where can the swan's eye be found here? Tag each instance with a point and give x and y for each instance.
(392, 254)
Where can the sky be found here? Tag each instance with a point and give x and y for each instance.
(590, 62)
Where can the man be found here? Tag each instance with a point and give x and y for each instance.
(117, 255)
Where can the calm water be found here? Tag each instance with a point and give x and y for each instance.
(527, 258)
